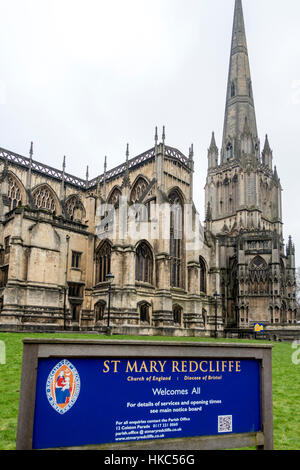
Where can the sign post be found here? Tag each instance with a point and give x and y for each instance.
(145, 395)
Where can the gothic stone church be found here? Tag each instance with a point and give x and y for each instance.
(61, 236)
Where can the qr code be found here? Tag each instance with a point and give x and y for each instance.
(225, 423)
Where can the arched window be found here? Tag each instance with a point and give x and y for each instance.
(142, 211)
(143, 263)
(114, 196)
(258, 276)
(99, 310)
(283, 313)
(144, 309)
(258, 263)
(176, 234)
(74, 208)
(229, 151)
(107, 218)
(43, 198)
(138, 189)
(203, 285)
(177, 314)
(14, 193)
(103, 261)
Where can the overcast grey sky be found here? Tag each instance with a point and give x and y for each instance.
(82, 78)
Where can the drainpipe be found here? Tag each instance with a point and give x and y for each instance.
(66, 279)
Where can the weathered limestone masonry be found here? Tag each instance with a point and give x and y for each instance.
(61, 236)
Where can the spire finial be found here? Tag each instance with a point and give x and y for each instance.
(104, 177)
(267, 148)
(28, 184)
(31, 150)
(156, 136)
(213, 145)
(62, 186)
(126, 178)
(87, 176)
(267, 154)
(164, 135)
(191, 152)
(98, 192)
(290, 247)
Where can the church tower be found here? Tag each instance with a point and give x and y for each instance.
(243, 203)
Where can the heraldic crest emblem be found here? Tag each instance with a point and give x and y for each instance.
(63, 386)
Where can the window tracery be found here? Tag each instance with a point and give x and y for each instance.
(99, 310)
(43, 199)
(14, 193)
(138, 190)
(203, 286)
(176, 226)
(103, 261)
(74, 208)
(114, 197)
(258, 276)
(143, 263)
(177, 314)
(144, 310)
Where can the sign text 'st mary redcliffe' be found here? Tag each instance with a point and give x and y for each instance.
(182, 366)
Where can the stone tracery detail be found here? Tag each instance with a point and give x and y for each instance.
(43, 199)
(114, 197)
(138, 189)
(144, 263)
(14, 193)
(176, 242)
(258, 276)
(74, 208)
(103, 262)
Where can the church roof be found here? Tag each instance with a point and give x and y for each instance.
(46, 170)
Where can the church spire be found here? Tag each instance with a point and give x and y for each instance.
(239, 99)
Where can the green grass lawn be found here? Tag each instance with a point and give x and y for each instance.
(286, 388)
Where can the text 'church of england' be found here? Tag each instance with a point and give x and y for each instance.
(127, 250)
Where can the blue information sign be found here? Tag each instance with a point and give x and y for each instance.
(258, 327)
(98, 400)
